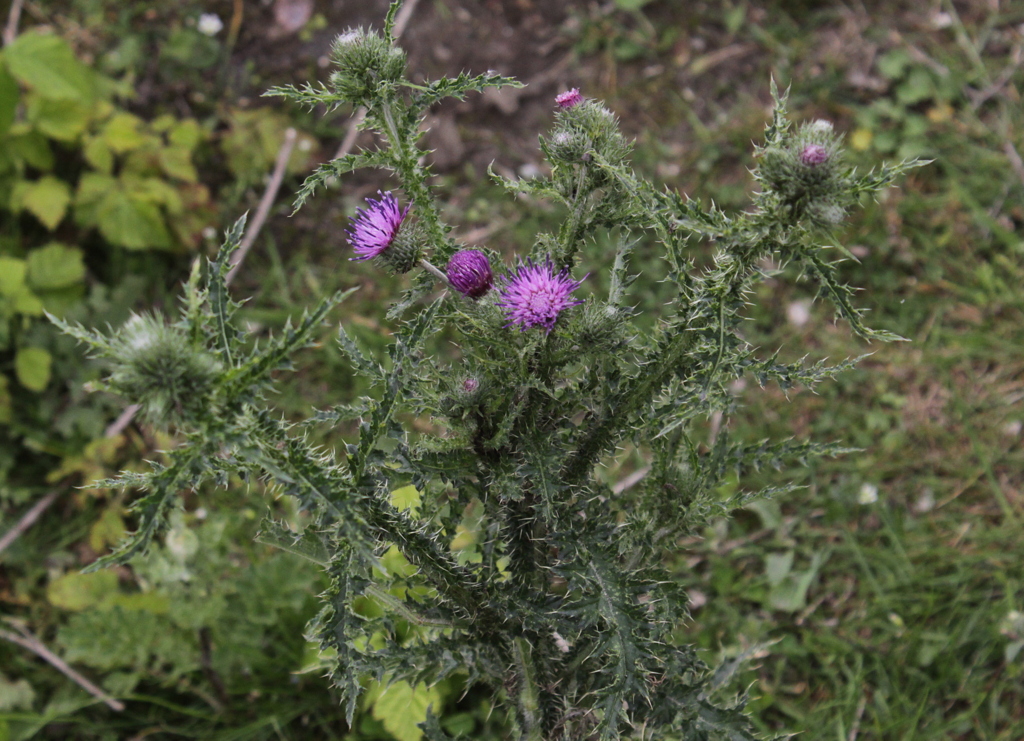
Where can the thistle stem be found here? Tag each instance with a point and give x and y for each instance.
(435, 271)
(529, 695)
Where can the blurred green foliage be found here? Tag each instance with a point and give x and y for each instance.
(83, 182)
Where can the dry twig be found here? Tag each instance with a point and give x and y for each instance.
(283, 155)
(29, 518)
(11, 29)
(26, 640)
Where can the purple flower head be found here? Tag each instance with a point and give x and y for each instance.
(813, 155)
(469, 272)
(374, 228)
(569, 98)
(535, 295)
(470, 385)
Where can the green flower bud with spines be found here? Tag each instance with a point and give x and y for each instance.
(589, 126)
(565, 146)
(160, 369)
(598, 328)
(364, 62)
(808, 174)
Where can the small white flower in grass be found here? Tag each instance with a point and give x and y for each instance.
(1012, 626)
(925, 502)
(799, 313)
(209, 24)
(209, 233)
(868, 494)
(563, 645)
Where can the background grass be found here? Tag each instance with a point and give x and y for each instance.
(885, 594)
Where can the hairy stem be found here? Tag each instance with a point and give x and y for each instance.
(527, 692)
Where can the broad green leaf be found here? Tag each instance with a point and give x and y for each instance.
(917, 87)
(162, 123)
(28, 303)
(93, 187)
(12, 275)
(76, 591)
(406, 498)
(32, 148)
(15, 695)
(32, 367)
(55, 266)
(401, 708)
(191, 49)
(131, 222)
(185, 133)
(152, 602)
(790, 593)
(107, 531)
(892, 63)
(14, 287)
(5, 401)
(393, 562)
(777, 566)
(98, 154)
(45, 63)
(47, 199)
(64, 120)
(9, 96)
(177, 162)
(121, 133)
(59, 301)
(153, 190)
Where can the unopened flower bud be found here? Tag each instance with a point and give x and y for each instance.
(598, 328)
(566, 146)
(469, 272)
(584, 127)
(465, 394)
(806, 172)
(159, 368)
(364, 60)
(813, 155)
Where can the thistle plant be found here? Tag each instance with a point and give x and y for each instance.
(564, 608)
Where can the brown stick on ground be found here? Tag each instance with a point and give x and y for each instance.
(11, 29)
(283, 155)
(26, 640)
(29, 518)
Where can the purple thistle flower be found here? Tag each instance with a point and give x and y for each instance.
(569, 98)
(469, 272)
(374, 228)
(470, 385)
(535, 295)
(813, 155)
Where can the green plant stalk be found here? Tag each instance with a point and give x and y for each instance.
(527, 692)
